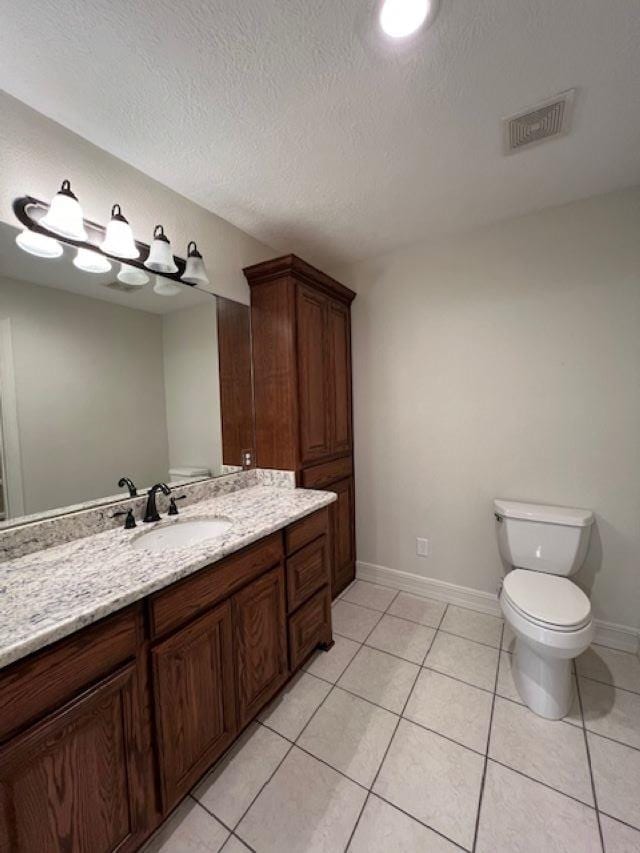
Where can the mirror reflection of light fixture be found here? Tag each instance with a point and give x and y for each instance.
(38, 244)
(160, 255)
(64, 216)
(118, 238)
(89, 261)
(163, 287)
(132, 276)
(195, 272)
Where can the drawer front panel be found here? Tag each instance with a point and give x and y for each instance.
(329, 472)
(307, 571)
(171, 608)
(306, 530)
(309, 626)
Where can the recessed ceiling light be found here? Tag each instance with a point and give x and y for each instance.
(402, 18)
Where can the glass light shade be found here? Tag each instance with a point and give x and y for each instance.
(166, 288)
(160, 255)
(64, 216)
(132, 276)
(401, 18)
(195, 272)
(38, 244)
(118, 239)
(89, 261)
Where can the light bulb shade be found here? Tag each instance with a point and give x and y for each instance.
(195, 272)
(92, 262)
(64, 216)
(160, 255)
(132, 276)
(118, 239)
(166, 288)
(38, 244)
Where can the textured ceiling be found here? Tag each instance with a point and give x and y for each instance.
(293, 121)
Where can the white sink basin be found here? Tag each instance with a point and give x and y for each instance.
(181, 534)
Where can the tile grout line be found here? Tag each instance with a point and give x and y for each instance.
(588, 751)
(608, 683)
(231, 832)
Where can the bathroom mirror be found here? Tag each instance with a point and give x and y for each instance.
(102, 379)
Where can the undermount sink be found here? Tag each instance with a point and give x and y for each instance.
(181, 534)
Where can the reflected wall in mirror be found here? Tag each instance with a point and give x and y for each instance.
(100, 379)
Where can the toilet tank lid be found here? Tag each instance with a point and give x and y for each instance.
(542, 512)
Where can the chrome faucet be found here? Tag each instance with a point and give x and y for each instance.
(151, 512)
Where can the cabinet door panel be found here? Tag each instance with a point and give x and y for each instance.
(343, 529)
(260, 627)
(340, 377)
(194, 698)
(67, 784)
(313, 366)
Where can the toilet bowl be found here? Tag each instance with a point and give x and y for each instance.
(548, 613)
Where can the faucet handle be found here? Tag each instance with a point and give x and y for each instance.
(129, 522)
(173, 509)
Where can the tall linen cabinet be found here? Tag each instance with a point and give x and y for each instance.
(301, 351)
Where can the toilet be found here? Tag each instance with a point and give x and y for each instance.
(548, 613)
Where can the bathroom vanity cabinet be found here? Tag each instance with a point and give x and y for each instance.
(102, 733)
(301, 349)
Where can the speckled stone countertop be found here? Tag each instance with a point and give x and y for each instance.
(49, 594)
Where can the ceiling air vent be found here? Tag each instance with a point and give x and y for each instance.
(544, 121)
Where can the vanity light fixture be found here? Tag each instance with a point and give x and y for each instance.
(93, 262)
(64, 216)
(402, 18)
(38, 244)
(160, 255)
(163, 287)
(195, 272)
(118, 239)
(132, 276)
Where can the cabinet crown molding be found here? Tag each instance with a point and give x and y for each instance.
(302, 271)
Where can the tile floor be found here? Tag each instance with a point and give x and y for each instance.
(409, 735)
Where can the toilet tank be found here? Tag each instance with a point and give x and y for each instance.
(551, 539)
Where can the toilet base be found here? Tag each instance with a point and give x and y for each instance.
(545, 684)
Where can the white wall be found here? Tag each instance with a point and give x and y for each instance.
(37, 154)
(89, 392)
(504, 363)
(192, 387)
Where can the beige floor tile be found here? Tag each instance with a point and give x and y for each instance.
(190, 829)
(611, 667)
(547, 750)
(399, 637)
(234, 845)
(619, 838)
(522, 816)
(380, 678)
(434, 780)
(506, 684)
(351, 735)
(424, 610)
(464, 659)
(292, 709)
(353, 621)
(369, 595)
(611, 712)
(229, 788)
(384, 829)
(473, 625)
(616, 775)
(451, 708)
(330, 665)
(306, 808)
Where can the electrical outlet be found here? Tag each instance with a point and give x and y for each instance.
(422, 547)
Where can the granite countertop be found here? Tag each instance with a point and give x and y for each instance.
(49, 594)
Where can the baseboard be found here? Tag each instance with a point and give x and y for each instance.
(620, 637)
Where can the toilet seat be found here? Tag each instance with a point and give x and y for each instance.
(549, 601)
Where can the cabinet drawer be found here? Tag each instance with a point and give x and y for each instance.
(309, 626)
(306, 530)
(307, 571)
(174, 606)
(328, 472)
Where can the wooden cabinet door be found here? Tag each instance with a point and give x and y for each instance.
(259, 622)
(339, 335)
(194, 700)
(313, 368)
(343, 531)
(70, 783)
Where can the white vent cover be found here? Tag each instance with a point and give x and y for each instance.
(546, 120)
